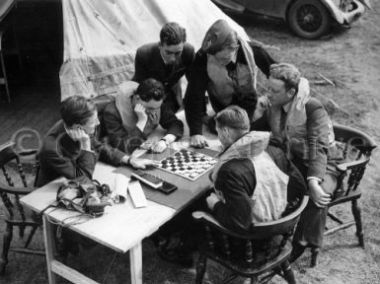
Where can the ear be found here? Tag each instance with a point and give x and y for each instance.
(291, 93)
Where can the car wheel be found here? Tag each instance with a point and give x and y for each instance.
(309, 18)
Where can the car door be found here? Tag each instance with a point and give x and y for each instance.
(272, 8)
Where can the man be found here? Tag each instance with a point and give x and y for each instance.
(166, 61)
(225, 67)
(71, 149)
(301, 123)
(136, 112)
(253, 182)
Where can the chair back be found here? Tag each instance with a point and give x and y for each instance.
(14, 180)
(356, 149)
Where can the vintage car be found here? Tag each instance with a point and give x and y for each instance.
(306, 18)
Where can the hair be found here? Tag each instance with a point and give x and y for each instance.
(151, 89)
(77, 110)
(233, 117)
(172, 34)
(287, 73)
(218, 37)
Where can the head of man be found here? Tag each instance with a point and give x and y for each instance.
(150, 94)
(231, 124)
(221, 41)
(79, 112)
(283, 83)
(172, 40)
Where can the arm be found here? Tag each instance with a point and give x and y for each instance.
(194, 101)
(81, 164)
(170, 122)
(118, 136)
(236, 180)
(262, 58)
(140, 67)
(317, 138)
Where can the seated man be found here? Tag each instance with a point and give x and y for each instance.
(225, 67)
(302, 124)
(166, 61)
(136, 112)
(71, 149)
(253, 182)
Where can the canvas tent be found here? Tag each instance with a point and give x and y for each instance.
(101, 37)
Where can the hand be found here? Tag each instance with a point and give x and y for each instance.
(159, 146)
(198, 141)
(141, 112)
(78, 134)
(262, 105)
(318, 195)
(138, 163)
(211, 200)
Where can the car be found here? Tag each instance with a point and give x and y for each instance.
(308, 19)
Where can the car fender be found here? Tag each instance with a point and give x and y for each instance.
(342, 17)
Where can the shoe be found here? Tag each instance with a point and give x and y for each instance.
(297, 251)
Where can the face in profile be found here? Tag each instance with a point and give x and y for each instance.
(171, 53)
(277, 93)
(90, 126)
(222, 135)
(226, 55)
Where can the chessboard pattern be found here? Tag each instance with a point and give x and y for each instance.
(188, 164)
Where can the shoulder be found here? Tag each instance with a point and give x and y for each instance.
(188, 53)
(147, 50)
(314, 105)
(110, 109)
(237, 168)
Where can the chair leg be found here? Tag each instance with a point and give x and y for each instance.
(201, 268)
(6, 245)
(288, 272)
(31, 234)
(5, 77)
(358, 221)
(314, 256)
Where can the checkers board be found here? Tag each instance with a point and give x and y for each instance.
(188, 164)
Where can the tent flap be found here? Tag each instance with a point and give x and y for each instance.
(102, 36)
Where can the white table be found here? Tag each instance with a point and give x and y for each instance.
(121, 228)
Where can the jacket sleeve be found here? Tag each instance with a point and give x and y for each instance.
(107, 154)
(236, 180)
(317, 138)
(140, 67)
(70, 168)
(262, 58)
(194, 101)
(117, 135)
(170, 122)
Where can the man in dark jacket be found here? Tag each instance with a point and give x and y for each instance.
(225, 67)
(71, 149)
(253, 182)
(303, 126)
(136, 112)
(166, 61)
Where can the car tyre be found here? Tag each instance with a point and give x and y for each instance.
(309, 19)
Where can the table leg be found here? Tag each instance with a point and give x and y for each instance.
(49, 247)
(135, 256)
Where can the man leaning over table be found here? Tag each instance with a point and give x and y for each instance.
(136, 112)
(71, 148)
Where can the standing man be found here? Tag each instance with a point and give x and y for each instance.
(226, 67)
(303, 126)
(166, 61)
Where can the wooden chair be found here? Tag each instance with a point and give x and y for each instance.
(16, 184)
(356, 148)
(244, 264)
